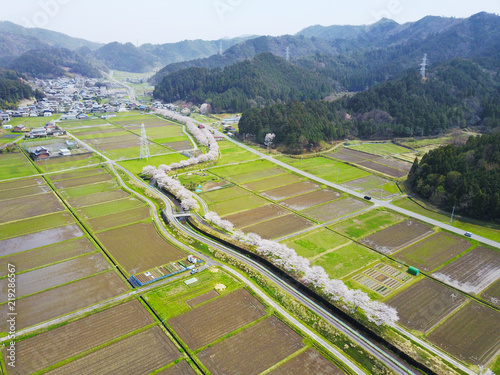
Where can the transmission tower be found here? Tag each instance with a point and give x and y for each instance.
(220, 49)
(287, 54)
(144, 144)
(423, 66)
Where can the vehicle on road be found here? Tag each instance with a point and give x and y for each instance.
(468, 234)
(368, 198)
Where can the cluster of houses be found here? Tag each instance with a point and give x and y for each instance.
(49, 129)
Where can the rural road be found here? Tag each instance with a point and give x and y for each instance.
(376, 202)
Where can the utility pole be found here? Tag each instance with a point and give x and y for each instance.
(452, 213)
(144, 144)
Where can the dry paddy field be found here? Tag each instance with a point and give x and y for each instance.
(86, 180)
(18, 184)
(433, 251)
(43, 256)
(472, 334)
(472, 272)
(77, 174)
(258, 175)
(62, 343)
(22, 208)
(205, 324)
(393, 238)
(97, 198)
(238, 204)
(288, 191)
(64, 299)
(139, 247)
(54, 275)
(365, 183)
(279, 227)
(253, 350)
(256, 215)
(311, 199)
(139, 354)
(334, 210)
(119, 219)
(273, 182)
(425, 304)
(23, 191)
(492, 294)
(39, 239)
(181, 368)
(308, 362)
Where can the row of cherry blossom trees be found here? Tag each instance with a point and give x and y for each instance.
(281, 255)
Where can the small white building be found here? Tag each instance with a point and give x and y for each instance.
(7, 127)
(65, 152)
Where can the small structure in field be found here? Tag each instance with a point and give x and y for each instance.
(413, 271)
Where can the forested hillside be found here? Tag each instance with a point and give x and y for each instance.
(467, 177)
(54, 62)
(260, 81)
(13, 89)
(458, 93)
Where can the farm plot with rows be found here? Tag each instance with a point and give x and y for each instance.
(86, 180)
(97, 198)
(273, 182)
(43, 256)
(279, 227)
(308, 362)
(492, 294)
(425, 304)
(59, 344)
(139, 354)
(346, 259)
(76, 174)
(64, 299)
(334, 210)
(36, 205)
(472, 272)
(366, 223)
(433, 251)
(258, 175)
(219, 317)
(328, 169)
(23, 192)
(119, 218)
(395, 237)
(238, 204)
(35, 224)
(54, 275)
(383, 279)
(33, 240)
(471, 334)
(139, 247)
(103, 209)
(380, 149)
(316, 242)
(22, 183)
(384, 168)
(256, 215)
(315, 198)
(202, 298)
(270, 341)
(225, 194)
(288, 191)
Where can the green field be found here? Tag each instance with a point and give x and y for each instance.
(238, 204)
(382, 149)
(316, 242)
(168, 301)
(15, 165)
(56, 165)
(135, 151)
(347, 259)
(135, 166)
(224, 194)
(102, 209)
(242, 168)
(330, 170)
(481, 229)
(366, 223)
(80, 191)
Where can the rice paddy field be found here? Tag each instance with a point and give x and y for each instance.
(237, 327)
(15, 165)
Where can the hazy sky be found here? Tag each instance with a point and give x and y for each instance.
(164, 21)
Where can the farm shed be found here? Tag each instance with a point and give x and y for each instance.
(413, 271)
